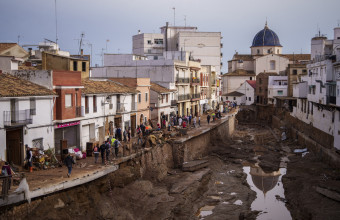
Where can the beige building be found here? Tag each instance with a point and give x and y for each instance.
(143, 97)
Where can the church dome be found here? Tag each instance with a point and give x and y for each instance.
(266, 37)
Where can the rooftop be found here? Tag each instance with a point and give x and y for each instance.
(11, 86)
(160, 89)
(252, 83)
(234, 93)
(5, 46)
(104, 87)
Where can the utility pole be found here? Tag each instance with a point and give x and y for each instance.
(174, 15)
(56, 22)
(90, 44)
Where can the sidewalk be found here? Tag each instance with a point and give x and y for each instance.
(85, 168)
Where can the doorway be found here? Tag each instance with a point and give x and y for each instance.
(133, 125)
(14, 146)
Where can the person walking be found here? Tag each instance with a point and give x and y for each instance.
(103, 151)
(208, 118)
(68, 162)
(180, 121)
(194, 121)
(6, 171)
(129, 134)
(107, 150)
(190, 117)
(124, 135)
(29, 158)
(96, 153)
(116, 144)
(199, 121)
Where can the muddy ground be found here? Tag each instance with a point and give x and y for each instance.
(218, 191)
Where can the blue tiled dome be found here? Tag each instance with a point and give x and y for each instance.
(266, 37)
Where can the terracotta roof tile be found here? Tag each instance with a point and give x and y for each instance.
(11, 86)
(160, 89)
(5, 46)
(241, 72)
(244, 57)
(234, 93)
(104, 87)
(252, 83)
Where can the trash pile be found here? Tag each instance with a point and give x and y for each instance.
(44, 159)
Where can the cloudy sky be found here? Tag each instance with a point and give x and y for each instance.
(294, 21)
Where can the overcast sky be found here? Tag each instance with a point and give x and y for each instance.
(294, 21)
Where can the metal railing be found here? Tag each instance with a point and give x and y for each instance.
(20, 117)
(134, 106)
(195, 96)
(182, 80)
(173, 102)
(331, 100)
(183, 97)
(80, 111)
(120, 107)
(193, 80)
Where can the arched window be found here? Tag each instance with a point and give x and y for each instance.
(258, 51)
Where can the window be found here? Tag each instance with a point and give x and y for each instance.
(272, 64)
(139, 98)
(149, 50)
(260, 81)
(162, 98)
(75, 66)
(94, 103)
(249, 98)
(251, 78)
(149, 42)
(268, 51)
(83, 66)
(68, 100)
(158, 41)
(294, 72)
(86, 104)
(304, 71)
(155, 57)
(38, 143)
(146, 97)
(260, 89)
(234, 98)
(167, 97)
(75, 99)
(278, 51)
(32, 106)
(258, 51)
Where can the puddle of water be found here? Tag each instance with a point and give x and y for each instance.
(205, 211)
(238, 202)
(267, 187)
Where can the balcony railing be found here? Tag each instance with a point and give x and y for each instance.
(121, 108)
(331, 100)
(182, 80)
(183, 97)
(87, 110)
(80, 111)
(173, 102)
(21, 117)
(195, 80)
(195, 96)
(134, 106)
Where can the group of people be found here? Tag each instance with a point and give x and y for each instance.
(228, 106)
(185, 121)
(105, 149)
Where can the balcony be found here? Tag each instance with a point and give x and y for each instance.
(173, 102)
(183, 97)
(331, 100)
(16, 118)
(80, 111)
(195, 81)
(134, 106)
(121, 108)
(195, 97)
(182, 80)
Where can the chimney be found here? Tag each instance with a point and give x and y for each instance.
(82, 52)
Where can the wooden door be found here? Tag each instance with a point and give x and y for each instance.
(14, 146)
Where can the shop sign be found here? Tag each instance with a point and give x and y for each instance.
(64, 125)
